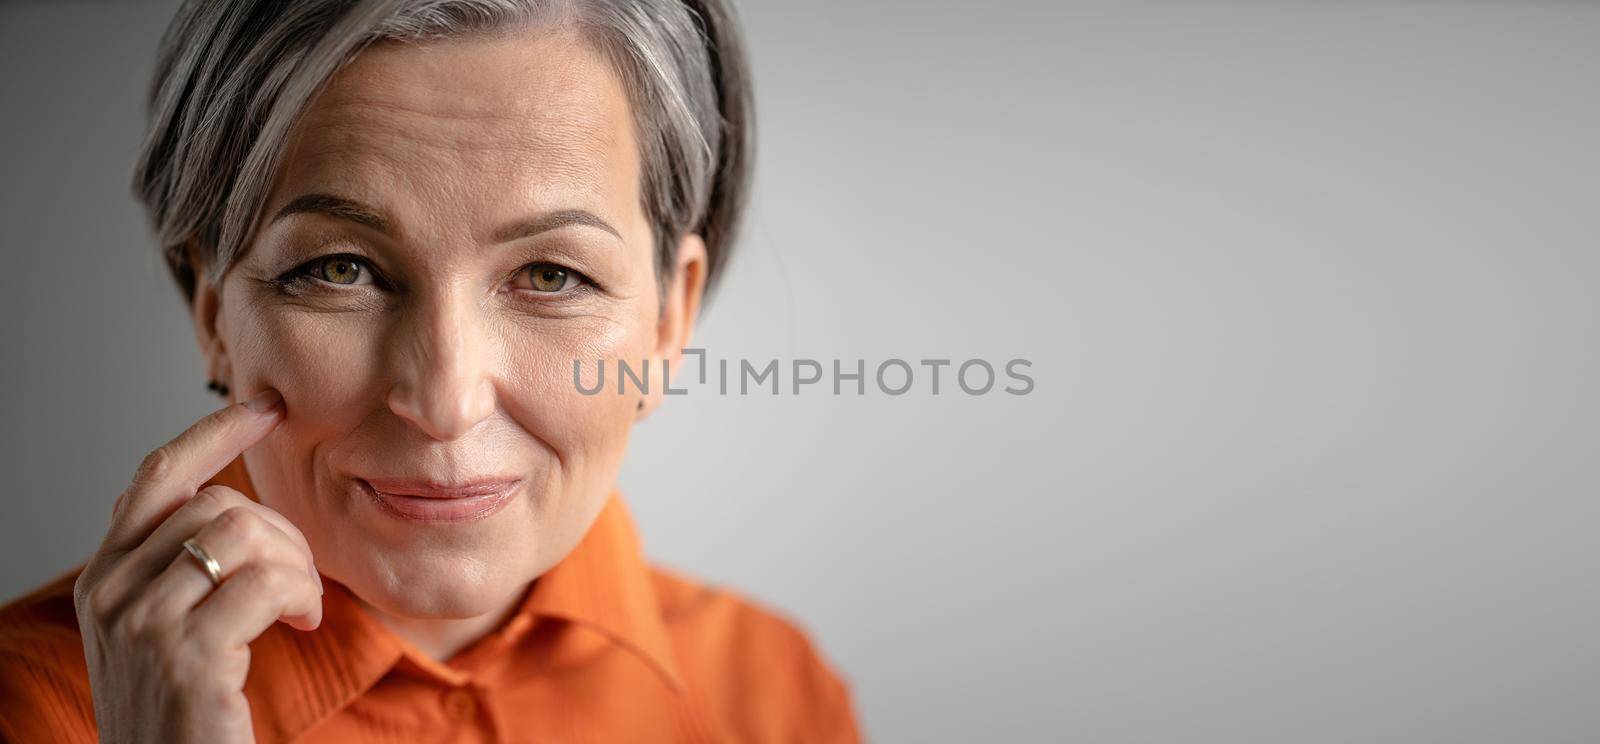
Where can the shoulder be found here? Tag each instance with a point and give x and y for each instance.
(758, 669)
(44, 682)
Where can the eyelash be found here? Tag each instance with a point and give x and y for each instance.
(304, 273)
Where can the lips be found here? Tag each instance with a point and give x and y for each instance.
(428, 501)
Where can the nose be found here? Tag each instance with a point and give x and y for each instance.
(442, 361)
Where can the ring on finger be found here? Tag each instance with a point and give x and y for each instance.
(210, 565)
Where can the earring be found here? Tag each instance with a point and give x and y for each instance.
(217, 387)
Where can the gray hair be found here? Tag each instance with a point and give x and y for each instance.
(233, 76)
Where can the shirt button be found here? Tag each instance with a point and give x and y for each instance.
(460, 705)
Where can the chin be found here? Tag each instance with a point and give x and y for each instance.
(443, 588)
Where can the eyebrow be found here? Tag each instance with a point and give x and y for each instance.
(334, 206)
(361, 214)
(551, 221)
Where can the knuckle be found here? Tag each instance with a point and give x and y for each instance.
(212, 500)
(101, 602)
(246, 530)
(82, 587)
(205, 502)
(119, 506)
(278, 580)
(267, 579)
(156, 466)
(254, 574)
(240, 524)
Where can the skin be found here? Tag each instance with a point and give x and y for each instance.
(441, 355)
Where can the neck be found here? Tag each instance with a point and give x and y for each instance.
(443, 638)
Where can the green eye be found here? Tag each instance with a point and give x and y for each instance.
(548, 278)
(339, 270)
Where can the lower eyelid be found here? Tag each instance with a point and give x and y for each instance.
(576, 292)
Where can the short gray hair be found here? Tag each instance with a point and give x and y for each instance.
(233, 76)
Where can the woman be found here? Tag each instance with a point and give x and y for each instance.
(398, 225)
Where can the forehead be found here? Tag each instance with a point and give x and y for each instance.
(480, 125)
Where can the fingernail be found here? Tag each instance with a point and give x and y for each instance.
(264, 401)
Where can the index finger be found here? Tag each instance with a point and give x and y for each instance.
(175, 470)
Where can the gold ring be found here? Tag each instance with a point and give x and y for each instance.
(211, 566)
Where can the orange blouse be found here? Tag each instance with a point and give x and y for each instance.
(604, 648)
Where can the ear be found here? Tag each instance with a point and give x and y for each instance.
(680, 307)
(206, 311)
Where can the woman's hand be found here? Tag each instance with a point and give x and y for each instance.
(167, 649)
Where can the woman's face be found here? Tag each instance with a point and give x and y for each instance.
(455, 223)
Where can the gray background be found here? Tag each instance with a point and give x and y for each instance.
(1309, 292)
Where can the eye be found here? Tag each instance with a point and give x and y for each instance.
(339, 269)
(547, 278)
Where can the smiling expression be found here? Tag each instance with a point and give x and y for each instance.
(453, 224)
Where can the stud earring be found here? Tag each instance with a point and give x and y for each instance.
(217, 387)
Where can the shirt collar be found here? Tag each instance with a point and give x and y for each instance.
(298, 678)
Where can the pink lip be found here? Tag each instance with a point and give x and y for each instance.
(429, 501)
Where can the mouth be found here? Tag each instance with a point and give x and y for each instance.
(419, 501)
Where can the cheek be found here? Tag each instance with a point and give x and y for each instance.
(319, 362)
(538, 388)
